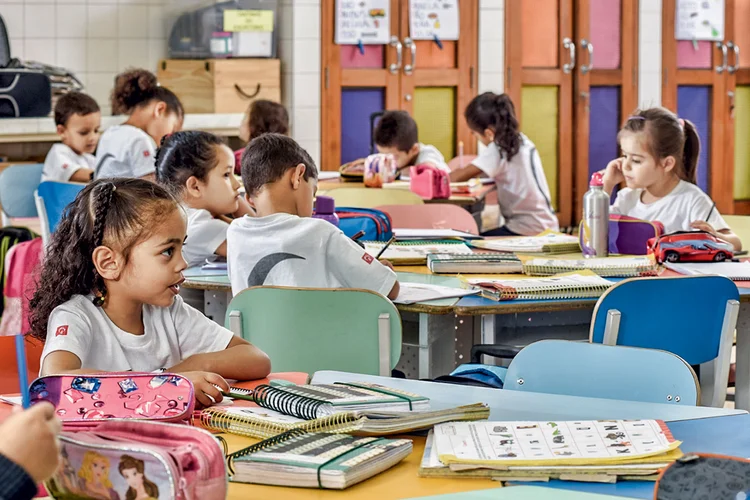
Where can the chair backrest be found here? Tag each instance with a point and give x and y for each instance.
(56, 196)
(17, 186)
(682, 315)
(602, 371)
(431, 216)
(460, 161)
(306, 329)
(371, 197)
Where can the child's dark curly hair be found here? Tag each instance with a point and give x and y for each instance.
(137, 87)
(118, 213)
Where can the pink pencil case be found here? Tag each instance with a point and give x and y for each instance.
(429, 182)
(116, 459)
(163, 397)
(380, 169)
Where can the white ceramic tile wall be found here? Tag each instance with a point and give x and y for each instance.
(491, 46)
(649, 53)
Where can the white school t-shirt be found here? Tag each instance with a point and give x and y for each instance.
(430, 154)
(204, 235)
(172, 334)
(286, 250)
(62, 162)
(125, 151)
(522, 190)
(686, 203)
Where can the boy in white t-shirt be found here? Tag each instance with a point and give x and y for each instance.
(77, 117)
(283, 245)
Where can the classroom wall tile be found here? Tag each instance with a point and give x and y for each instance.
(101, 56)
(102, 21)
(157, 50)
(306, 90)
(39, 20)
(306, 124)
(306, 21)
(133, 22)
(489, 59)
(539, 105)
(741, 144)
(40, 49)
(72, 21)
(650, 26)
(158, 25)
(99, 87)
(132, 54)
(13, 16)
(16, 48)
(649, 53)
(490, 25)
(71, 54)
(306, 56)
(694, 104)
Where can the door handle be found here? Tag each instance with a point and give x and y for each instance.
(571, 46)
(736, 49)
(585, 44)
(724, 57)
(394, 68)
(409, 68)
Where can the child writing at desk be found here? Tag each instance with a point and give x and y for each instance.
(283, 245)
(108, 294)
(128, 150)
(513, 161)
(658, 163)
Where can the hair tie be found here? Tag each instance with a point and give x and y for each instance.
(682, 123)
(636, 117)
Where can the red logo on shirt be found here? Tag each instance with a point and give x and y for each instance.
(368, 258)
(65, 165)
(146, 154)
(61, 331)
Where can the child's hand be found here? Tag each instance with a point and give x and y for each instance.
(704, 226)
(30, 440)
(206, 393)
(387, 264)
(613, 174)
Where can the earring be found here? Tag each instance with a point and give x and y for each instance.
(99, 299)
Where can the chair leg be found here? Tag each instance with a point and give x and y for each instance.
(384, 344)
(235, 323)
(612, 327)
(715, 377)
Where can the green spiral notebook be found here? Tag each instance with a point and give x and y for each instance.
(415, 252)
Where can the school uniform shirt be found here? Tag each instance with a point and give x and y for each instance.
(62, 162)
(286, 250)
(204, 235)
(125, 151)
(172, 334)
(430, 154)
(686, 203)
(522, 190)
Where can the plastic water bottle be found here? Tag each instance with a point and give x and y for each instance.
(595, 238)
(325, 208)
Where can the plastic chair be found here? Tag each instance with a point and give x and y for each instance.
(603, 371)
(311, 329)
(371, 198)
(17, 185)
(459, 161)
(51, 200)
(431, 216)
(693, 317)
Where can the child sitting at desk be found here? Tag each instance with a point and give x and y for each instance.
(658, 163)
(108, 294)
(262, 117)
(283, 245)
(77, 117)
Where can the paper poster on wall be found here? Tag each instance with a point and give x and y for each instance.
(429, 19)
(699, 20)
(366, 22)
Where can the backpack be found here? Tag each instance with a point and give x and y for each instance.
(375, 223)
(10, 236)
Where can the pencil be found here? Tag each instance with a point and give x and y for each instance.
(358, 235)
(711, 212)
(385, 247)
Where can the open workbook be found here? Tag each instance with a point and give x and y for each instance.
(415, 252)
(578, 285)
(546, 242)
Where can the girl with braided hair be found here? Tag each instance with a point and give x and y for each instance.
(512, 160)
(107, 298)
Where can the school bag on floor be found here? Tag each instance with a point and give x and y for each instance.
(10, 236)
(21, 276)
(375, 223)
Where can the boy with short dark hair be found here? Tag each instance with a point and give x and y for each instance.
(396, 133)
(78, 119)
(283, 245)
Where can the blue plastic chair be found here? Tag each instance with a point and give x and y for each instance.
(693, 317)
(603, 371)
(51, 200)
(17, 186)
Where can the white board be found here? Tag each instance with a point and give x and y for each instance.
(431, 18)
(699, 20)
(363, 21)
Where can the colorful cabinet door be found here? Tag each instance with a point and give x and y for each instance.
(738, 91)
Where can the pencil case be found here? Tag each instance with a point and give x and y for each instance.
(135, 459)
(352, 172)
(165, 397)
(380, 169)
(628, 235)
(702, 475)
(429, 182)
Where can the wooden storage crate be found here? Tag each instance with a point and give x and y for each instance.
(221, 85)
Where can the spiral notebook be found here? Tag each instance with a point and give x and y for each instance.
(263, 423)
(578, 285)
(610, 267)
(477, 263)
(316, 460)
(415, 252)
(546, 242)
(735, 271)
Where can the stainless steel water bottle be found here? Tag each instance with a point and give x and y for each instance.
(595, 238)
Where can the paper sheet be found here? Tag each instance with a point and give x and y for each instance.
(411, 293)
(532, 244)
(735, 270)
(440, 234)
(398, 251)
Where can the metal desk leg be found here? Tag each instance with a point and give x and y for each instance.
(424, 346)
(437, 345)
(215, 305)
(488, 336)
(742, 375)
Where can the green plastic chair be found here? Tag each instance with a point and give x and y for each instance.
(312, 329)
(372, 197)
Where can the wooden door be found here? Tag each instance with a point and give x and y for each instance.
(738, 93)
(539, 51)
(694, 86)
(606, 84)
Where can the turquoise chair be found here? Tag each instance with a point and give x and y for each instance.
(693, 317)
(603, 371)
(311, 329)
(17, 186)
(52, 198)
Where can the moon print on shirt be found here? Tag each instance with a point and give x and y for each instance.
(260, 272)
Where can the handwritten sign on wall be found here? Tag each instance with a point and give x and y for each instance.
(363, 21)
(699, 20)
(433, 18)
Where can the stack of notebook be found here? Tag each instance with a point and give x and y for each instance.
(546, 242)
(402, 234)
(415, 252)
(610, 267)
(735, 271)
(578, 285)
(600, 451)
(477, 263)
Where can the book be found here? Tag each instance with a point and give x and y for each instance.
(321, 400)
(432, 234)
(316, 460)
(546, 242)
(578, 285)
(735, 271)
(415, 252)
(609, 267)
(263, 423)
(411, 293)
(476, 263)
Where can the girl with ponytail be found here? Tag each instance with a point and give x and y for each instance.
(512, 160)
(658, 164)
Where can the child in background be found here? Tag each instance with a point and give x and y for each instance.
(77, 117)
(658, 163)
(262, 117)
(128, 150)
(199, 168)
(283, 245)
(108, 299)
(513, 161)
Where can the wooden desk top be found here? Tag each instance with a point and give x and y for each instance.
(455, 199)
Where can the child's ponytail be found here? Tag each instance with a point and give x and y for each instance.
(691, 151)
(497, 113)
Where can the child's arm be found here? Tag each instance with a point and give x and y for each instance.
(240, 360)
(464, 174)
(393, 294)
(723, 234)
(613, 175)
(59, 362)
(83, 175)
